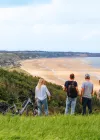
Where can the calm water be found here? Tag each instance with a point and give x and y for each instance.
(93, 61)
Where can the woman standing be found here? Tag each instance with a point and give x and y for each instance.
(41, 93)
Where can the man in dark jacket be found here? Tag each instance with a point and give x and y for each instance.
(71, 87)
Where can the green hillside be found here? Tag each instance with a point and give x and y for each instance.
(15, 87)
(50, 128)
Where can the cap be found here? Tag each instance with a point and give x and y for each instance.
(87, 76)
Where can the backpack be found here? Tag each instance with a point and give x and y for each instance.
(72, 92)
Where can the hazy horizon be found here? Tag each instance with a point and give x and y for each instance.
(47, 51)
(51, 25)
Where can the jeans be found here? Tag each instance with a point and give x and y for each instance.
(86, 102)
(41, 103)
(70, 103)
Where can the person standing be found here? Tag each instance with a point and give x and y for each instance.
(41, 93)
(86, 94)
(71, 87)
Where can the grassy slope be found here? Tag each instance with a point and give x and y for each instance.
(50, 128)
(15, 86)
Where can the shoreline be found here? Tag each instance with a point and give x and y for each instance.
(57, 70)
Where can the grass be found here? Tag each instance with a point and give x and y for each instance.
(50, 128)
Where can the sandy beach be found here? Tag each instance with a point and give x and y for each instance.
(57, 70)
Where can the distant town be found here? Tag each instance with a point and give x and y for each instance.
(12, 58)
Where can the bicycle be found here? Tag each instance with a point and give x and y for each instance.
(4, 107)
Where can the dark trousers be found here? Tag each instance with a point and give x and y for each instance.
(86, 102)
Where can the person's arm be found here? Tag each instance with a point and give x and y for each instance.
(35, 94)
(92, 90)
(82, 90)
(76, 85)
(65, 86)
(48, 93)
(77, 90)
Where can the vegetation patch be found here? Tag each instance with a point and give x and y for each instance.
(15, 88)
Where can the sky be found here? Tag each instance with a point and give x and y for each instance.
(50, 25)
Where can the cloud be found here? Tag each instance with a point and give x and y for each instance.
(91, 34)
(59, 23)
(58, 11)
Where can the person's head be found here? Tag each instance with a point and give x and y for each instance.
(87, 76)
(44, 82)
(40, 82)
(72, 76)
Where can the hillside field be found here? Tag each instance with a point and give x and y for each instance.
(50, 128)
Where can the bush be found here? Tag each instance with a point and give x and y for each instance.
(15, 87)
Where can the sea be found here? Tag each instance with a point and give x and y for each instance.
(93, 61)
